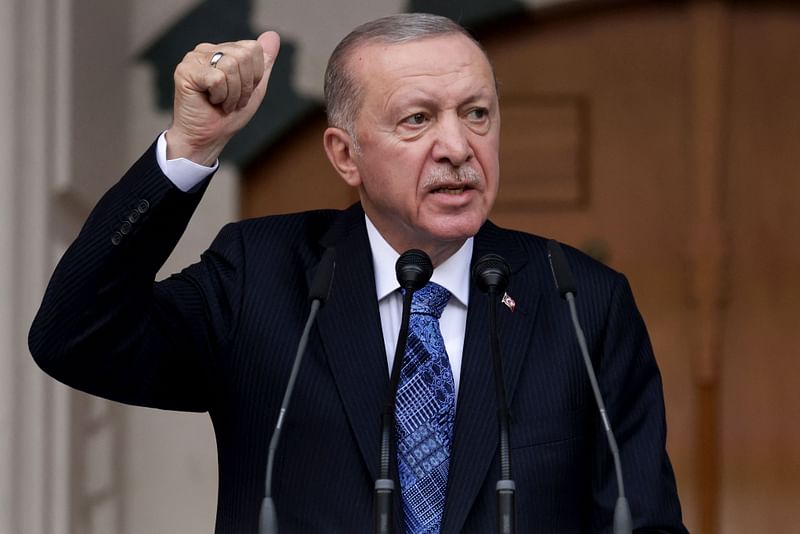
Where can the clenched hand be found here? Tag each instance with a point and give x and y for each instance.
(212, 103)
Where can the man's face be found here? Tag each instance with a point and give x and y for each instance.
(428, 136)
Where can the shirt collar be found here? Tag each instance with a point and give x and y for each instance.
(453, 274)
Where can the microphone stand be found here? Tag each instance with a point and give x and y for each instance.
(567, 289)
(319, 293)
(506, 488)
(384, 485)
(492, 273)
(414, 269)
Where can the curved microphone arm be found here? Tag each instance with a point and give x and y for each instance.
(319, 293)
(565, 284)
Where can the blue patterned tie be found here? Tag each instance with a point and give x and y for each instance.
(425, 413)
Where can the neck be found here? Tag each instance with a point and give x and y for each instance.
(438, 251)
(440, 254)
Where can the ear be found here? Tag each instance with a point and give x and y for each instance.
(339, 148)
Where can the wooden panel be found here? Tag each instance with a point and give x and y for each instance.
(761, 369)
(629, 66)
(543, 152)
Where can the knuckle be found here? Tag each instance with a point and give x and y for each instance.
(217, 78)
(231, 70)
(238, 55)
(249, 45)
(216, 81)
(254, 49)
(181, 71)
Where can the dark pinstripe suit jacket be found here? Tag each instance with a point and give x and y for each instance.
(220, 337)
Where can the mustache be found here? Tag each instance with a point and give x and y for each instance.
(448, 175)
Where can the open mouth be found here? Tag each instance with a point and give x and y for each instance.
(451, 190)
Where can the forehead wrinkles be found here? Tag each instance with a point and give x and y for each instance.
(450, 89)
(404, 76)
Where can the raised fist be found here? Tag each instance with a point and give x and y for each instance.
(218, 88)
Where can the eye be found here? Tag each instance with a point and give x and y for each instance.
(417, 119)
(478, 114)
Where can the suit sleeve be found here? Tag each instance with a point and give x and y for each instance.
(631, 386)
(106, 328)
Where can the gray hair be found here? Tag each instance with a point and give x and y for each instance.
(342, 91)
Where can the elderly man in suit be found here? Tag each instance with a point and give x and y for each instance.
(414, 125)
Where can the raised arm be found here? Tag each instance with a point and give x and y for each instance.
(104, 326)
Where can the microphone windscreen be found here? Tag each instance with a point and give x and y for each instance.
(323, 278)
(562, 275)
(491, 271)
(413, 268)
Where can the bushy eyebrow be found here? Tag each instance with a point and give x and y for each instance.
(422, 99)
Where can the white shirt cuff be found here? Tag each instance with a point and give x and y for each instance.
(183, 173)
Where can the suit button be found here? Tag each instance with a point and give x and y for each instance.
(134, 216)
(143, 206)
(116, 237)
(125, 228)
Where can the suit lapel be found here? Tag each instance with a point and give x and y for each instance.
(476, 431)
(350, 328)
(349, 325)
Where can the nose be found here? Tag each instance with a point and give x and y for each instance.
(451, 144)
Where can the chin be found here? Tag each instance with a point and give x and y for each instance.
(458, 230)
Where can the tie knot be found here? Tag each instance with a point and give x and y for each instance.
(430, 300)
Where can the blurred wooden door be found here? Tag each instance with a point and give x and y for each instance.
(664, 138)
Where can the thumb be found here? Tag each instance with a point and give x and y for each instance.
(270, 43)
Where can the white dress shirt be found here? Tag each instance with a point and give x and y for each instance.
(184, 173)
(453, 274)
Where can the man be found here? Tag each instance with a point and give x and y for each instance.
(414, 125)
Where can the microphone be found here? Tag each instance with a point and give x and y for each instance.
(413, 269)
(318, 294)
(565, 284)
(491, 274)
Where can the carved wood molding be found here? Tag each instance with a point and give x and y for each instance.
(709, 23)
(545, 152)
(710, 55)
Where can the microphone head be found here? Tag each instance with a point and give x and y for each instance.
(491, 272)
(414, 268)
(323, 279)
(562, 275)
